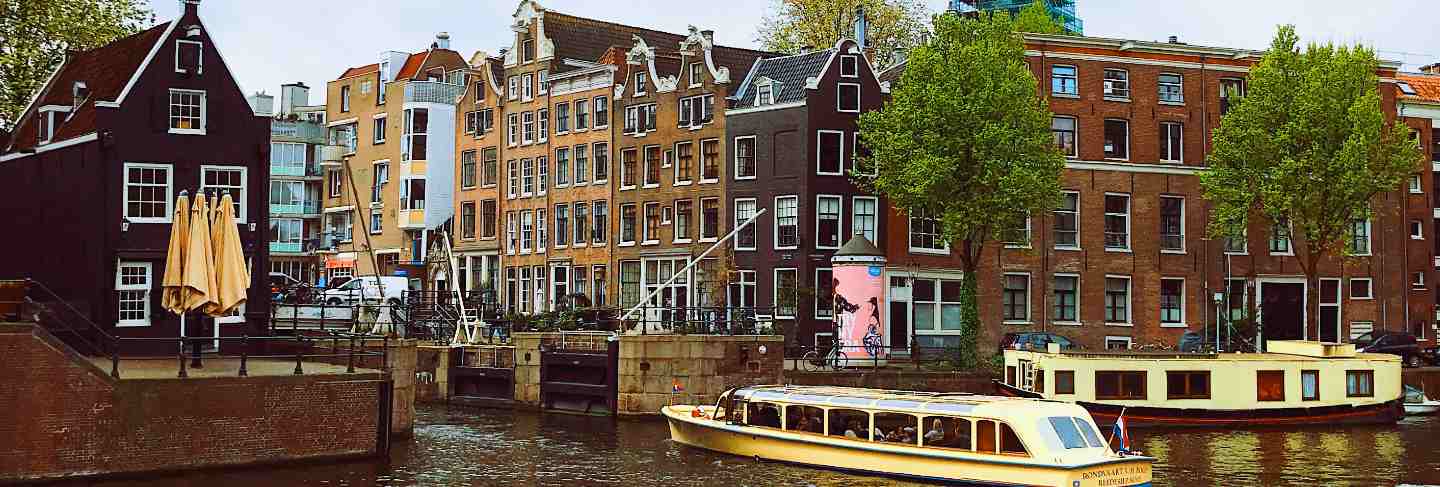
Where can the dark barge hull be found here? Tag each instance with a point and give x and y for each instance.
(1150, 417)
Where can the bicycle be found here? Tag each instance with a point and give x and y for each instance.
(814, 361)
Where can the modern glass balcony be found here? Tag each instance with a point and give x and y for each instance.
(287, 247)
(302, 208)
(310, 132)
(433, 92)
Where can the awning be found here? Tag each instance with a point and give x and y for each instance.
(339, 262)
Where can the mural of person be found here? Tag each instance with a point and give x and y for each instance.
(844, 316)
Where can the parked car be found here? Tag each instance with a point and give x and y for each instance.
(1392, 342)
(1034, 340)
(286, 289)
(367, 288)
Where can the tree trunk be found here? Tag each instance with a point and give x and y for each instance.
(970, 319)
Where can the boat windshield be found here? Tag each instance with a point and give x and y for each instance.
(1074, 432)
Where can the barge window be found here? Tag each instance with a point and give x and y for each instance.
(946, 432)
(763, 414)
(1359, 383)
(1270, 385)
(849, 423)
(1309, 385)
(805, 419)
(996, 437)
(1187, 384)
(895, 428)
(1010, 442)
(1069, 434)
(1064, 382)
(1120, 385)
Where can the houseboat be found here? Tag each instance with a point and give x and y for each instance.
(1294, 383)
(985, 440)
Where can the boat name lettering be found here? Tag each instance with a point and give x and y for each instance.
(1116, 476)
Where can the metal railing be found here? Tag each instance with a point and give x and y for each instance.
(839, 358)
(433, 92)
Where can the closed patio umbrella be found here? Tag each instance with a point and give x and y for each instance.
(232, 277)
(199, 275)
(173, 291)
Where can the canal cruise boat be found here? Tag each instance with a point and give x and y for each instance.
(1294, 383)
(986, 440)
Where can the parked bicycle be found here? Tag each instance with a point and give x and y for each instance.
(832, 359)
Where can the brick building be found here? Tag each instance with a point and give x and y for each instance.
(1419, 105)
(477, 180)
(1125, 260)
(791, 130)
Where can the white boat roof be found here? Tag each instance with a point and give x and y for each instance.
(917, 402)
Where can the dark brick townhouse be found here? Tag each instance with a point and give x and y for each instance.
(791, 135)
(98, 158)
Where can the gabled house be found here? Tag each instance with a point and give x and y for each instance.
(97, 159)
(791, 130)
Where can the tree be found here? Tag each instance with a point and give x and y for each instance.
(38, 33)
(1308, 145)
(1036, 18)
(794, 25)
(965, 139)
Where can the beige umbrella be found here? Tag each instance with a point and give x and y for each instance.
(232, 278)
(173, 292)
(199, 272)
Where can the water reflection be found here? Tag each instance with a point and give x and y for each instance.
(460, 446)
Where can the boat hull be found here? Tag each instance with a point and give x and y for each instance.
(896, 461)
(1146, 416)
(1422, 409)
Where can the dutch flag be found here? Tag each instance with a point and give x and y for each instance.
(1121, 431)
(675, 386)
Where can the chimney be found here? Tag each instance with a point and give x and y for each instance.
(860, 27)
(189, 7)
(1430, 68)
(442, 40)
(79, 92)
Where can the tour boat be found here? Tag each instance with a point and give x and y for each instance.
(1294, 383)
(1417, 404)
(984, 440)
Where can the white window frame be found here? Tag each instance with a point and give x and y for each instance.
(377, 216)
(527, 230)
(1029, 288)
(512, 128)
(645, 237)
(1075, 132)
(1165, 128)
(1417, 230)
(1183, 244)
(1078, 223)
(764, 93)
(735, 217)
(1159, 82)
(854, 65)
(696, 78)
(754, 166)
(1129, 342)
(542, 125)
(839, 220)
(857, 228)
(700, 217)
(542, 225)
(169, 193)
(1416, 186)
(146, 288)
(527, 86)
(1289, 239)
(639, 84)
(1369, 243)
(819, 134)
(199, 56)
(620, 225)
(514, 88)
(775, 237)
(562, 214)
(1417, 280)
(170, 117)
(691, 222)
(244, 199)
(1106, 84)
(1163, 323)
(1078, 302)
(1369, 288)
(1129, 300)
(775, 292)
(840, 87)
(910, 240)
(1244, 244)
(1074, 81)
(1029, 237)
(1129, 222)
(378, 131)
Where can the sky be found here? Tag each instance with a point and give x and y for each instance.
(267, 43)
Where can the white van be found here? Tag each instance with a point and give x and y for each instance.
(368, 288)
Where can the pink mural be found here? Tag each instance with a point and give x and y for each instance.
(859, 292)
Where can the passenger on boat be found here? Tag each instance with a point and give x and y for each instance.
(852, 430)
(936, 433)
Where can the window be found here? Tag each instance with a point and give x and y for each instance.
(602, 220)
(696, 75)
(685, 161)
(787, 293)
(1172, 88)
(562, 225)
(1017, 298)
(1172, 224)
(639, 84)
(512, 129)
(1067, 303)
(709, 219)
(847, 97)
(562, 118)
(582, 113)
(514, 89)
(479, 90)
(744, 158)
(467, 220)
(344, 98)
(824, 294)
(562, 167)
(485, 121)
(527, 85)
(652, 224)
(513, 185)
(582, 164)
(335, 183)
(1360, 288)
(1172, 302)
(1187, 384)
(828, 213)
(377, 221)
(582, 223)
(1172, 142)
(1309, 385)
(1117, 84)
(413, 143)
(542, 225)
(863, 217)
(187, 56)
(527, 177)
(542, 165)
(147, 192)
(512, 238)
(527, 127)
(602, 162)
(377, 135)
(1117, 222)
(744, 209)
(1064, 382)
(1063, 80)
(132, 289)
(1280, 237)
(1064, 131)
(527, 50)
(472, 122)
(1117, 343)
(696, 111)
(627, 224)
(487, 218)
(527, 230)
(1417, 280)
(1360, 236)
(652, 166)
(1067, 221)
(926, 233)
(1117, 300)
(221, 180)
(544, 78)
(1231, 91)
(936, 309)
(1417, 230)
(629, 282)
(1270, 385)
(628, 168)
(412, 193)
(1016, 234)
(684, 213)
(543, 116)
(598, 274)
(764, 93)
(1117, 139)
(187, 111)
(709, 160)
(830, 152)
(1120, 385)
(467, 169)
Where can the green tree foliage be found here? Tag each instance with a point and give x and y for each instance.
(34, 35)
(1309, 144)
(794, 25)
(965, 138)
(1037, 19)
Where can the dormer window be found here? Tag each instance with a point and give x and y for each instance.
(187, 56)
(764, 93)
(849, 66)
(49, 119)
(639, 83)
(527, 50)
(79, 92)
(696, 76)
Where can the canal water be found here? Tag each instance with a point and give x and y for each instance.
(466, 446)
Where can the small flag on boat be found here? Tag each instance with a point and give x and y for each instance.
(675, 386)
(1122, 432)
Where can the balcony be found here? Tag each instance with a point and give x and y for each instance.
(333, 155)
(308, 246)
(433, 92)
(291, 169)
(300, 131)
(310, 208)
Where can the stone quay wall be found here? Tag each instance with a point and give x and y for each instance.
(704, 366)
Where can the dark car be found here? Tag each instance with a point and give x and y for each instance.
(1034, 340)
(1394, 343)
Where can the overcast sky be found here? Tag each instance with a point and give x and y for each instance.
(270, 42)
